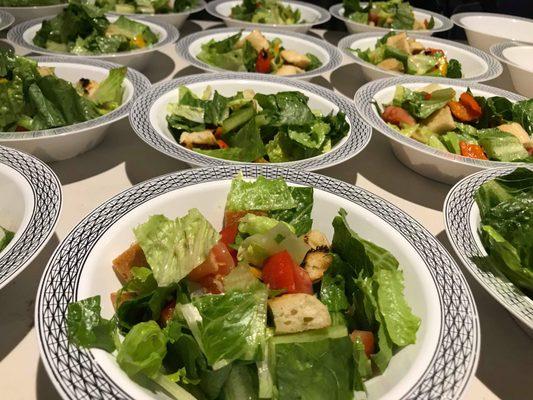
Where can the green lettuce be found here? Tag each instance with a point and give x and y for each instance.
(110, 91)
(252, 224)
(5, 237)
(298, 217)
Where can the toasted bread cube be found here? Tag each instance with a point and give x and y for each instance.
(515, 129)
(203, 139)
(441, 121)
(391, 64)
(119, 297)
(133, 257)
(316, 240)
(257, 40)
(399, 42)
(316, 264)
(298, 312)
(286, 70)
(295, 58)
(414, 46)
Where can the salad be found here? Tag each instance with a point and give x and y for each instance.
(84, 29)
(266, 12)
(506, 210)
(397, 52)
(29, 3)
(5, 237)
(253, 127)
(145, 6)
(486, 128)
(265, 308)
(255, 53)
(34, 98)
(394, 14)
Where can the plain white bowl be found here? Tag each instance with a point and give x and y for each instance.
(148, 115)
(190, 46)
(313, 15)
(441, 22)
(462, 220)
(69, 141)
(6, 20)
(477, 66)
(485, 29)
(30, 205)
(439, 365)
(22, 14)
(518, 58)
(22, 36)
(428, 161)
(173, 18)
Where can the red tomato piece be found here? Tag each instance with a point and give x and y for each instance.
(167, 312)
(279, 271)
(219, 261)
(222, 144)
(228, 234)
(471, 104)
(367, 338)
(262, 64)
(397, 116)
(302, 281)
(472, 151)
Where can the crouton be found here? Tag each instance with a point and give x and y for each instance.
(316, 240)
(286, 70)
(316, 264)
(414, 46)
(88, 86)
(202, 139)
(46, 71)
(298, 312)
(133, 257)
(419, 25)
(295, 58)
(391, 64)
(441, 121)
(516, 130)
(119, 297)
(430, 88)
(399, 42)
(257, 40)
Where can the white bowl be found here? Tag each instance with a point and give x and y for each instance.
(518, 59)
(428, 161)
(477, 66)
(439, 365)
(72, 140)
(173, 18)
(462, 219)
(22, 36)
(485, 29)
(441, 22)
(6, 20)
(30, 205)
(148, 115)
(22, 14)
(313, 15)
(190, 46)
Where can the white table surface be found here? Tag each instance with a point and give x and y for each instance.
(122, 160)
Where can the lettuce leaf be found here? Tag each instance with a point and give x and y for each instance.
(5, 237)
(109, 92)
(174, 248)
(298, 217)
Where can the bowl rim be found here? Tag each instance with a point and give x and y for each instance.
(365, 94)
(334, 61)
(446, 373)
(50, 6)
(497, 51)
(48, 201)
(16, 36)
(6, 19)
(494, 68)
(457, 208)
(456, 19)
(324, 14)
(447, 24)
(139, 82)
(356, 140)
(199, 7)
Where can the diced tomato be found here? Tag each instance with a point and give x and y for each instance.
(222, 144)
(460, 112)
(302, 281)
(397, 115)
(218, 132)
(262, 64)
(472, 151)
(471, 104)
(218, 262)
(132, 257)
(430, 51)
(367, 338)
(212, 283)
(167, 312)
(373, 17)
(228, 233)
(232, 217)
(278, 272)
(20, 129)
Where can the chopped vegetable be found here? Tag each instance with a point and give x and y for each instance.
(266, 12)
(394, 14)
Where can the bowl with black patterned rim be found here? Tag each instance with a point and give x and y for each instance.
(30, 205)
(71, 140)
(6, 20)
(518, 59)
(439, 365)
(462, 219)
(310, 14)
(476, 65)
(22, 35)
(442, 23)
(148, 115)
(190, 46)
(428, 161)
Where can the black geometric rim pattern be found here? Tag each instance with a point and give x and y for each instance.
(457, 210)
(447, 24)
(335, 56)
(494, 68)
(139, 82)
(324, 15)
(497, 51)
(355, 142)
(199, 6)
(47, 197)
(77, 375)
(6, 20)
(365, 96)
